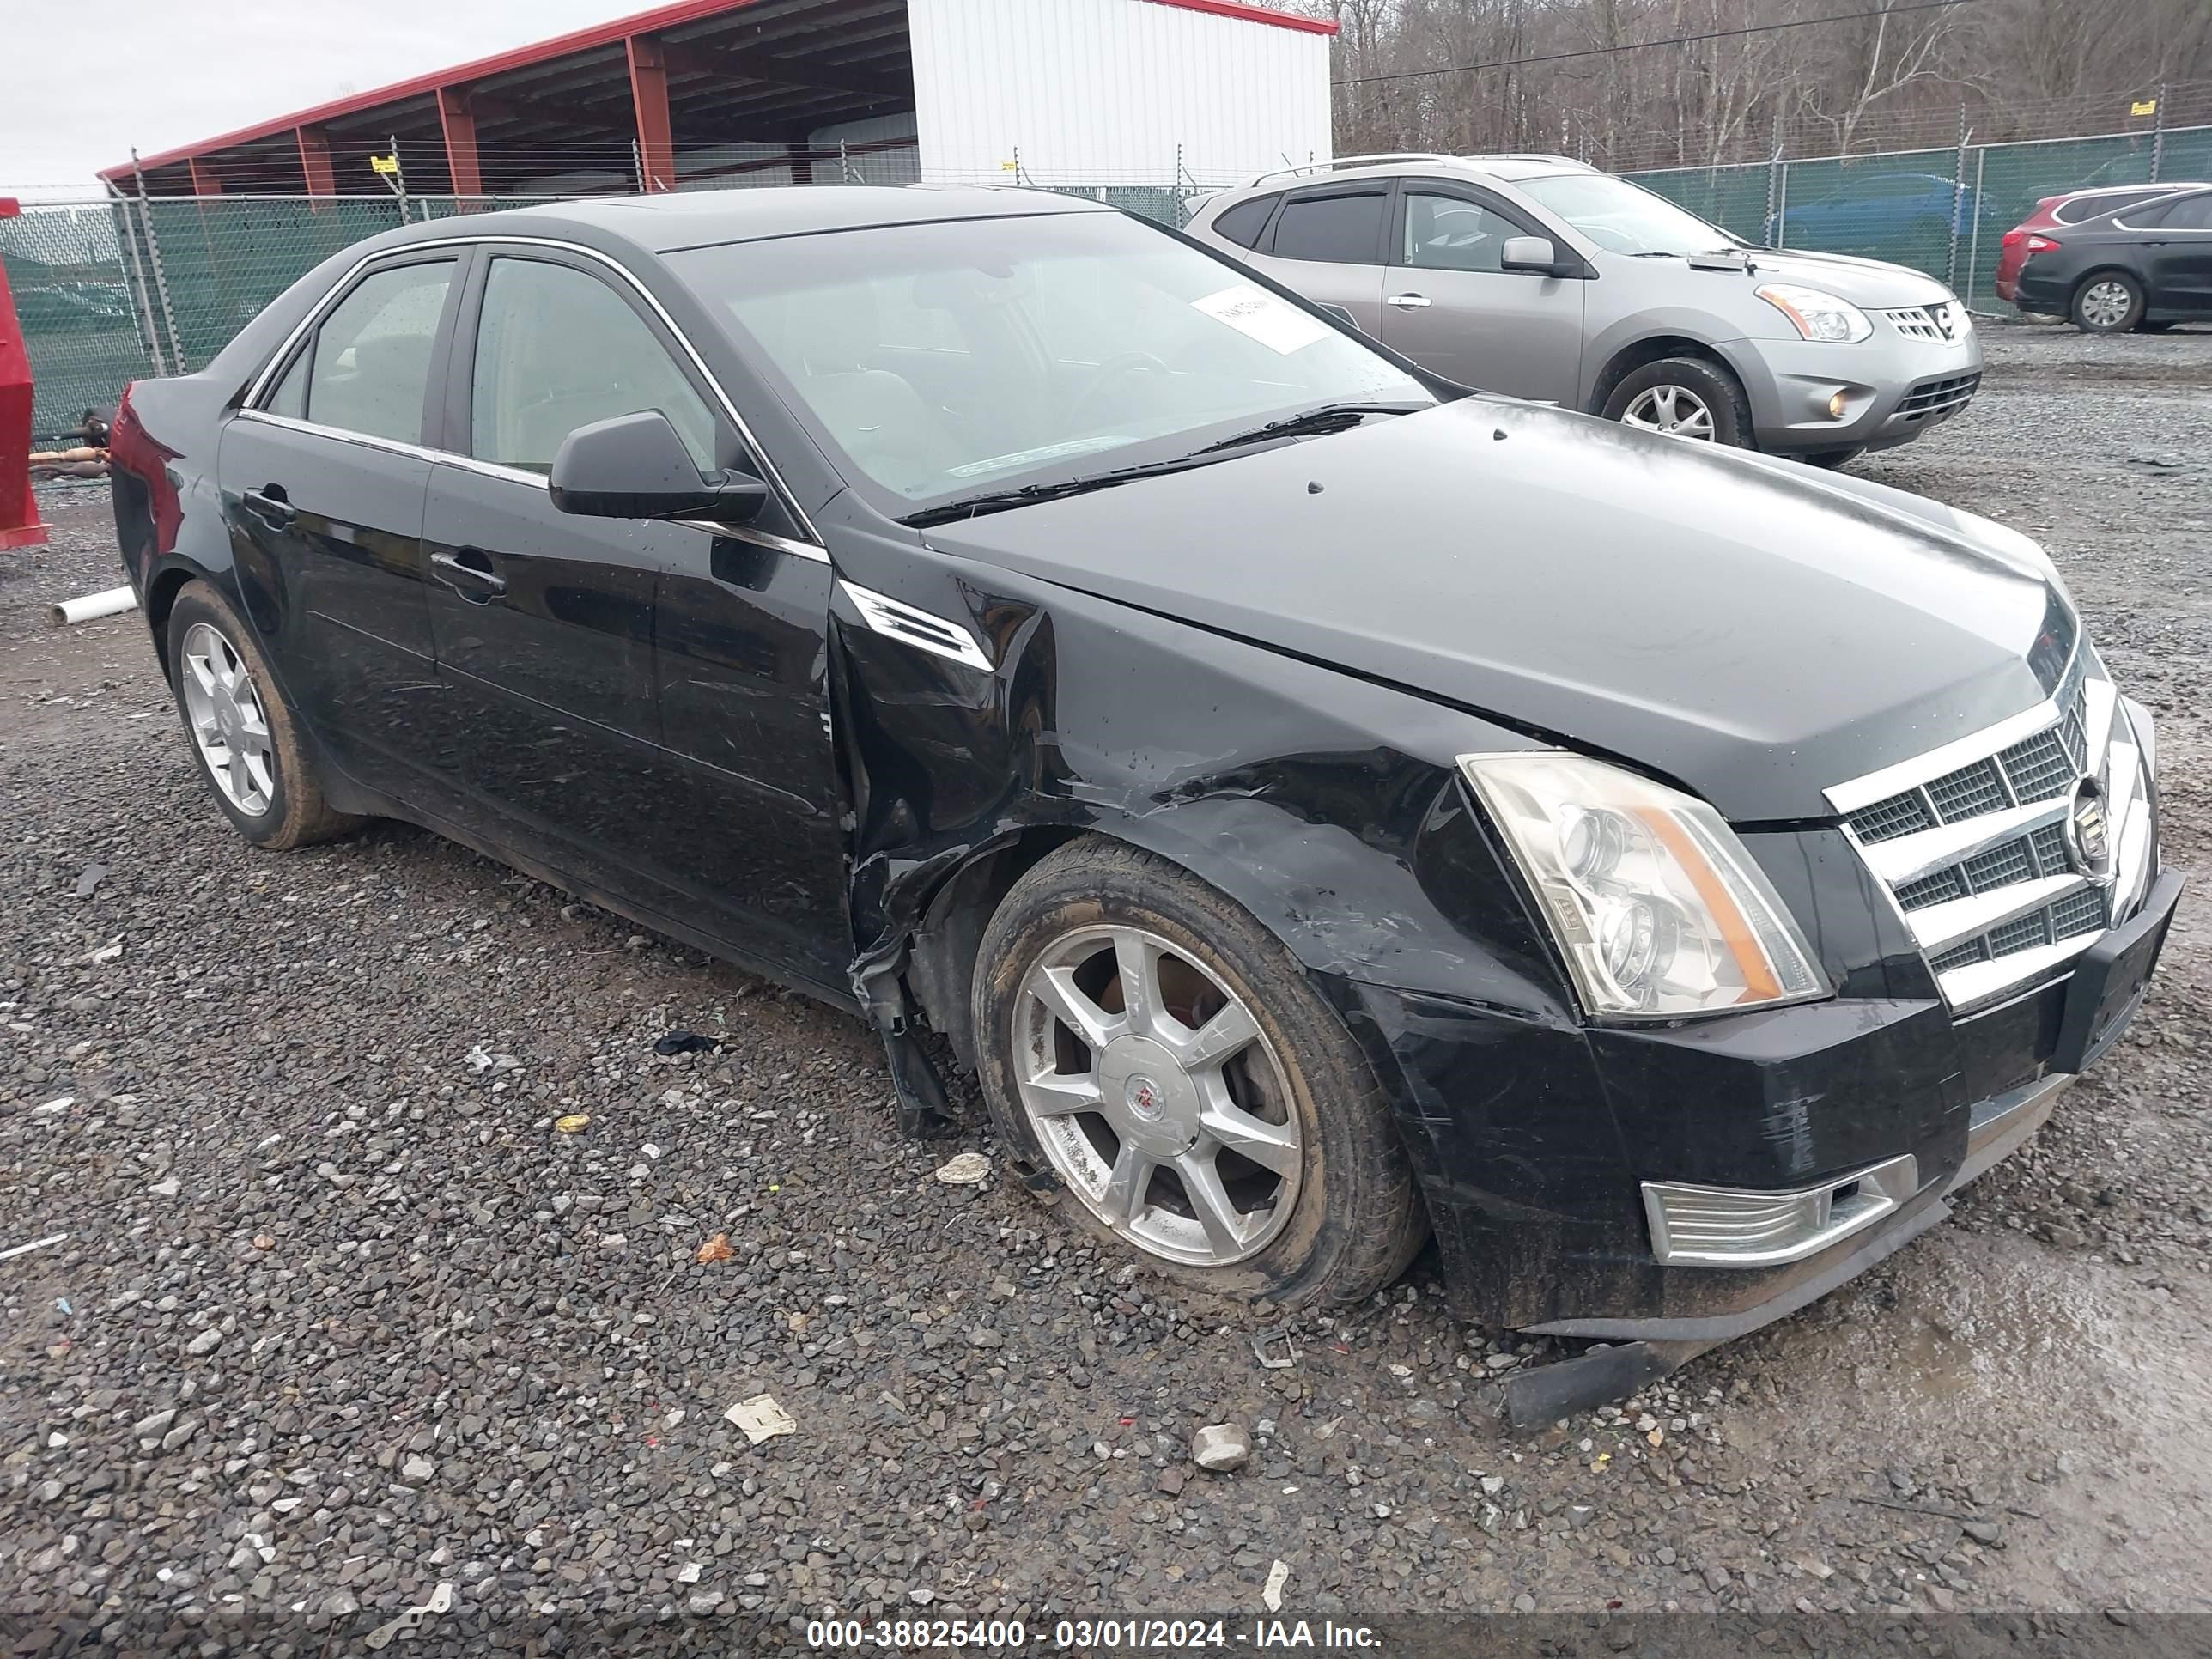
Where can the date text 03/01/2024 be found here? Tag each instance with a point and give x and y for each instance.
(1164, 1635)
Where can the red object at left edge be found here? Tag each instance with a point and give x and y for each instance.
(20, 525)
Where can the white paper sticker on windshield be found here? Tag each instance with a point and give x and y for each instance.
(1253, 311)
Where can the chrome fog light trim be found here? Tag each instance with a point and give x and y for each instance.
(1698, 1227)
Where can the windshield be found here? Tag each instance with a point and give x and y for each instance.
(972, 356)
(1623, 218)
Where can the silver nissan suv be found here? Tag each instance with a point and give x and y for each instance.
(1543, 278)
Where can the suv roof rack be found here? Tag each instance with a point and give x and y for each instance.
(1346, 161)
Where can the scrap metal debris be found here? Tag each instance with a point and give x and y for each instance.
(968, 1169)
(761, 1417)
(441, 1601)
(35, 1244)
(716, 1248)
(1259, 1350)
(1271, 1594)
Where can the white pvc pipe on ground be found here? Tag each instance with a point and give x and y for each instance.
(111, 602)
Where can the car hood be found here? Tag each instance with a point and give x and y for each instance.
(1752, 628)
(1862, 282)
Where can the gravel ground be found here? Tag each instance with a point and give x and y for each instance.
(341, 1317)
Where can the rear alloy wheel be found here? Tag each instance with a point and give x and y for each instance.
(2110, 302)
(1150, 1045)
(243, 734)
(1683, 397)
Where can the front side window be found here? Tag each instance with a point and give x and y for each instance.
(2191, 213)
(1449, 233)
(1342, 229)
(1622, 218)
(1082, 340)
(557, 348)
(371, 363)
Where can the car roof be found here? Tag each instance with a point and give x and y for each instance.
(2115, 190)
(663, 223)
(1510, 168)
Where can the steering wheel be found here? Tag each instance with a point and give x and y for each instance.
(1115, 367)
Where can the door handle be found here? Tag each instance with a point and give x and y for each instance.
(268, 504)
(475, 582)
(1407, 301)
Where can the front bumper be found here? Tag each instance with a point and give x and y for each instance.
(1895, 387)
(1535, 1160)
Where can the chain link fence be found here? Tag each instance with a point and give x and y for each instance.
(77, 307)
(1942, 211)
(112, 291)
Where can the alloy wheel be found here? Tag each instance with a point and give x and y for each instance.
(2106, 304)
(1670, 409)
(1157, 1096)
(229, 721)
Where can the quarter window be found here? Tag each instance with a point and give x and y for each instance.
(1343, 230)
(1243, 224)
(1449, 233)
(371, 364)
(557, 348)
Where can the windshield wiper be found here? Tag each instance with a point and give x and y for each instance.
(1329, 417)
(998, 501)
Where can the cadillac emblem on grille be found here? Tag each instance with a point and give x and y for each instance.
(2087, 836)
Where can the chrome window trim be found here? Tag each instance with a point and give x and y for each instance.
(909, 624)
(744, 533)
(263, 382)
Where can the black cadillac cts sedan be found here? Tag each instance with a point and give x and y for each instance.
(1323, 806)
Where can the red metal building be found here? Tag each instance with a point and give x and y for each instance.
(704, 91)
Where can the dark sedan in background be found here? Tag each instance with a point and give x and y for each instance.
(2140, 257)
(1319, 803)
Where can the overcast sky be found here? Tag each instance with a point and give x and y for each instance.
(155, 74)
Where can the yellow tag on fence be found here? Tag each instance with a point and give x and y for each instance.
(385, 164)
(2143, 106)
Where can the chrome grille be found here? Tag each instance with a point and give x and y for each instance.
(1922, 322)
(1971, 839)
(1968, 792)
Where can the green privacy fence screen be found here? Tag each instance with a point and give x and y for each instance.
(1943, 211)
(76, 307)
(112, 291)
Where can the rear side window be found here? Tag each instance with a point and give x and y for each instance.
(1243, 224)
(1343, 229)
(372, 357)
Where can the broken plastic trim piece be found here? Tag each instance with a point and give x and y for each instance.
(1538, 1395)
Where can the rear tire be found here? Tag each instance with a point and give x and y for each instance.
(2108, 302)
(1125, 1118)
(1686, 397)
(243, 733)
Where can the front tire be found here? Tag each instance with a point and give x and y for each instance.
(1685, 397)
(2109, 302)
(1148, 1043)
(243, 733)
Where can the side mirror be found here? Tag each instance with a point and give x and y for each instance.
(635, 467)
(1537, 255)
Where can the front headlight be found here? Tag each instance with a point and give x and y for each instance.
(1818, 316)
(1656, 905)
